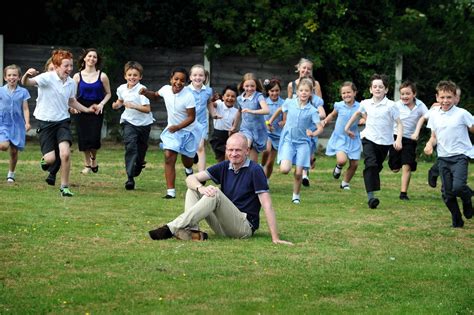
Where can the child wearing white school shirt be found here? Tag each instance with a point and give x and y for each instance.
(380, 114)
(449, 132)
(223, 113)
(411, 109)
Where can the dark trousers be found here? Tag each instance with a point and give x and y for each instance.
(375, 155)
(135, 139)
(453, 171)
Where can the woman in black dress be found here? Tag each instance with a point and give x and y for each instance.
(93, 87)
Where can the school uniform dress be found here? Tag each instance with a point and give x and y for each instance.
(409, 118)
(184, 141)
(12, 118)
(377, 137)
(339, 140)
(201, 98)
(253, 126)
(89, 125)
(274, 135)
(222, 126)
(454, 150)
(136, 128)
(317, 102)
(295, 145)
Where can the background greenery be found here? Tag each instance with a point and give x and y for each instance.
(347, 40)
(90, 254)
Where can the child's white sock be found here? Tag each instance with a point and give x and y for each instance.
(11, 174)
(171, 192)
(338, 169)
(296, 196)
(344, 184)
(188, 171)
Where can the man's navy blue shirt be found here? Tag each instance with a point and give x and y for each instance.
(242, 187)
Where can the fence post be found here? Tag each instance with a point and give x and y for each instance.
(398, 77)
(207, 64)
(1, 53)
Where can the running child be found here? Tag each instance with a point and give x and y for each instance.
(182, 134)
(14, 117)
(202, 96)
(380, 115)
(318, 103)
(136, 121)
(450, 127)
(252, 108)
(340, 144)
(304, 68)
(433, 172)
(295, 139)
(411, 110)
(224, 114)
(56, 93)
(274, 101)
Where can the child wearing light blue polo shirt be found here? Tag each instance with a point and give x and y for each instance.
(449, 132)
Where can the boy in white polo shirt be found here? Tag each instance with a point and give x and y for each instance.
(56, 93)
(411, 109)
(381, 115)
(449, 132)
(136, 121)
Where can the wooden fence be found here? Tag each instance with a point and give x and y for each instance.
(157, 64)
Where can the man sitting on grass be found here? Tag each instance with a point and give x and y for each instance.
(233, 210)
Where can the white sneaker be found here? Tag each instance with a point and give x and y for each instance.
(10, 179)
(345, 187)
(296, 201)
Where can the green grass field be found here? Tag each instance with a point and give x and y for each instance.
(91, 254)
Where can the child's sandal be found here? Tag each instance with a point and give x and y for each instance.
(86, 169)
(94, 169)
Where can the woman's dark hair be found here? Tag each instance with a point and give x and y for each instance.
(82, 64)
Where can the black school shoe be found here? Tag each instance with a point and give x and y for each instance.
(139, 168)
(305, 182)
(373, 203)
(130, 184)
(467, 210)
(161, 233)
(51, 179)
(432, 179)
(457, 222)
(404, 196)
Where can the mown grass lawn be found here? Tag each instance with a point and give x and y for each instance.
(90, 254)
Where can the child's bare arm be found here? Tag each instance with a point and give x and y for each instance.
(329, 118)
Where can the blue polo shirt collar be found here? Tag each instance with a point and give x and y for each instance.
(246, 164)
